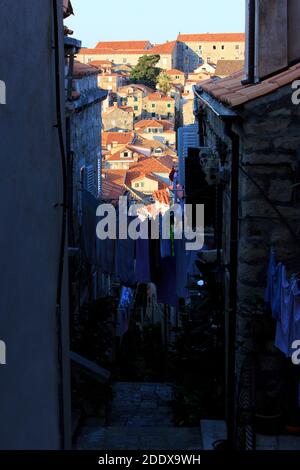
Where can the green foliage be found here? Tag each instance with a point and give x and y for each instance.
(145, 71)
(164, 82)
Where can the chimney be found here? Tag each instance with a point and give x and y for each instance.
(272, 37)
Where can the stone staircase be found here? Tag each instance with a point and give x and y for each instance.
(140, 419)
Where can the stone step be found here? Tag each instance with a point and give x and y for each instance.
(140, 438)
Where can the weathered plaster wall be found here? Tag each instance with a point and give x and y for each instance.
(30, 194)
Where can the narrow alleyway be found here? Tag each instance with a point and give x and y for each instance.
(140, 419)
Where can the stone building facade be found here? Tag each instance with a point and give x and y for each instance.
(84, 148)
(118, 118)
(199, 48)
(133, 96)
(254, 139)
(159, 106)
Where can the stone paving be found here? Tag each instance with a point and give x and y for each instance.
(141, 419)
(141, 404)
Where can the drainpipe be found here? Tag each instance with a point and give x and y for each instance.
(250, 70)
(231, 317)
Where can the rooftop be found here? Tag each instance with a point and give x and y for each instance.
(145, 123)
(84, 70)
(212, 37)
(121, 138)
(228, 67)
(123, 45)
(156, 96)
(231, 91)
(166, 48)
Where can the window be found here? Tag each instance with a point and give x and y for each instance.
(136, 108)
(153, 105)
(136, 99)
(177, 77)
(125, 154)
(200, 48)
(169, 105)
(223, 47)
(137, 185)
(208, 59)
(153, 114)
(142, 185)
(237, 46)
(214, 48)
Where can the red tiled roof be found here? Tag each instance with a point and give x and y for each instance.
(175, 72)
(111, 52)
(212, 37)
(149, 165)
(168, 161)
(232, 92)
(120, 137)
(87, 50)
(158, 97)
(115, 176)
(82, 70)
(166, 48)
(144, 123)
(111, 191)
(100, 63)
(123, 45)
(162, 196)
(147, 123)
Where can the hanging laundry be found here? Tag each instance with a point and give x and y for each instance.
(124, 311)
(283, 296)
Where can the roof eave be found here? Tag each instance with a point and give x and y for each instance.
(216, 106)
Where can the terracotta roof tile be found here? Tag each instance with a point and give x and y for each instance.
(162, 196)
(120, 137)
(212, 37)
(83, 70)
(166, 48)
(231, 91)
(115, 176)
(111, 191)
(158, 97)
(123, 45)
(175, 72)
(228, 67)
